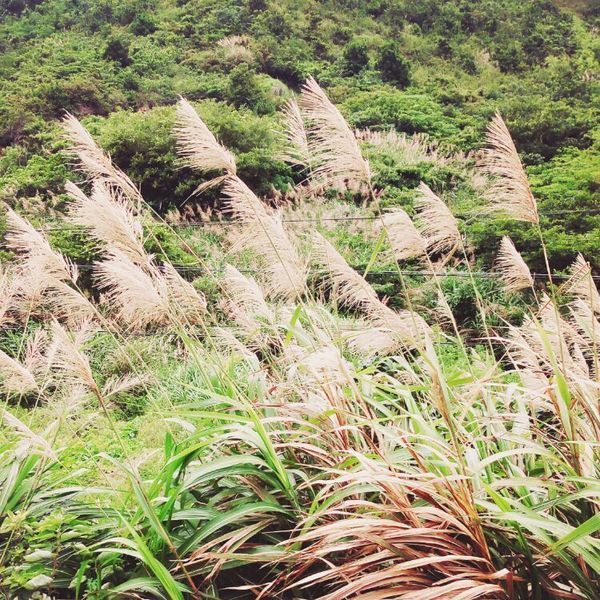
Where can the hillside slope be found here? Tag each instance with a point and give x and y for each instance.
(419, 66)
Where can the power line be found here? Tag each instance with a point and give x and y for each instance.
(475, 341)
(222, 223)
(408, 272)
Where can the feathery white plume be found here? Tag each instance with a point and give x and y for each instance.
(581, 283)
(403, 236)
(9, 291)
(406, 328)
(41, 294)
(198, 146)
(371, 341)
(67, 357)
(347, 286)
(324, 366)
(549, 338)
(119, 385)
(95, 162)
(332, 144)
(36, 253)
(139, 299)
(30, 439)
(436, 222)
(585, 322)
(245, 304)
(511, 267)
(522, 348)
(109, 218)
(442, 310)
(16, 378)
(297, 151)
(185, 300)
(510, 192)
(225, 339)
(265, 235)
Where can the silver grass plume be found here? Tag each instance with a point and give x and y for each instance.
(119, 385)
(412, 149)
(297, 150)
(184, 299)
(332, 144)
(236, 48)
(37, 256)
(442, 310)
(44, 274)
(30, 441)
(347, 286)
(35, 359)
(553, 321)
(264, 234)
(109, 218)
(436, 222)
(68, 399)
(94, 162)
(66, 356)
(225, 340)
(510, 192)
(522, 348)
(63, 302)
(405, 240)
(581, 283)
(244, 301)
(9, 291)
(138, 297)
(324, 366)
(199, 148)
(406, 328)
(371, 341)
(15, 378)
(551, 338)
(585, 322)
(511, 267)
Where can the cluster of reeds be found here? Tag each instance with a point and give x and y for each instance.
(323, 447)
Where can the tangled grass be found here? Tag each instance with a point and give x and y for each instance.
(306, 439)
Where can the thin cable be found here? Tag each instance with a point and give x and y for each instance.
(152, 334)
(371, 274)
(217, 222)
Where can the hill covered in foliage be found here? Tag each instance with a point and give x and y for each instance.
(440, 69)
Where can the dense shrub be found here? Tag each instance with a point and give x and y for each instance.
(356, 57)
(394, 67)
(405, 111)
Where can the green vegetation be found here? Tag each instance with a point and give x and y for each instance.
(288, 339)
(419, 66)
